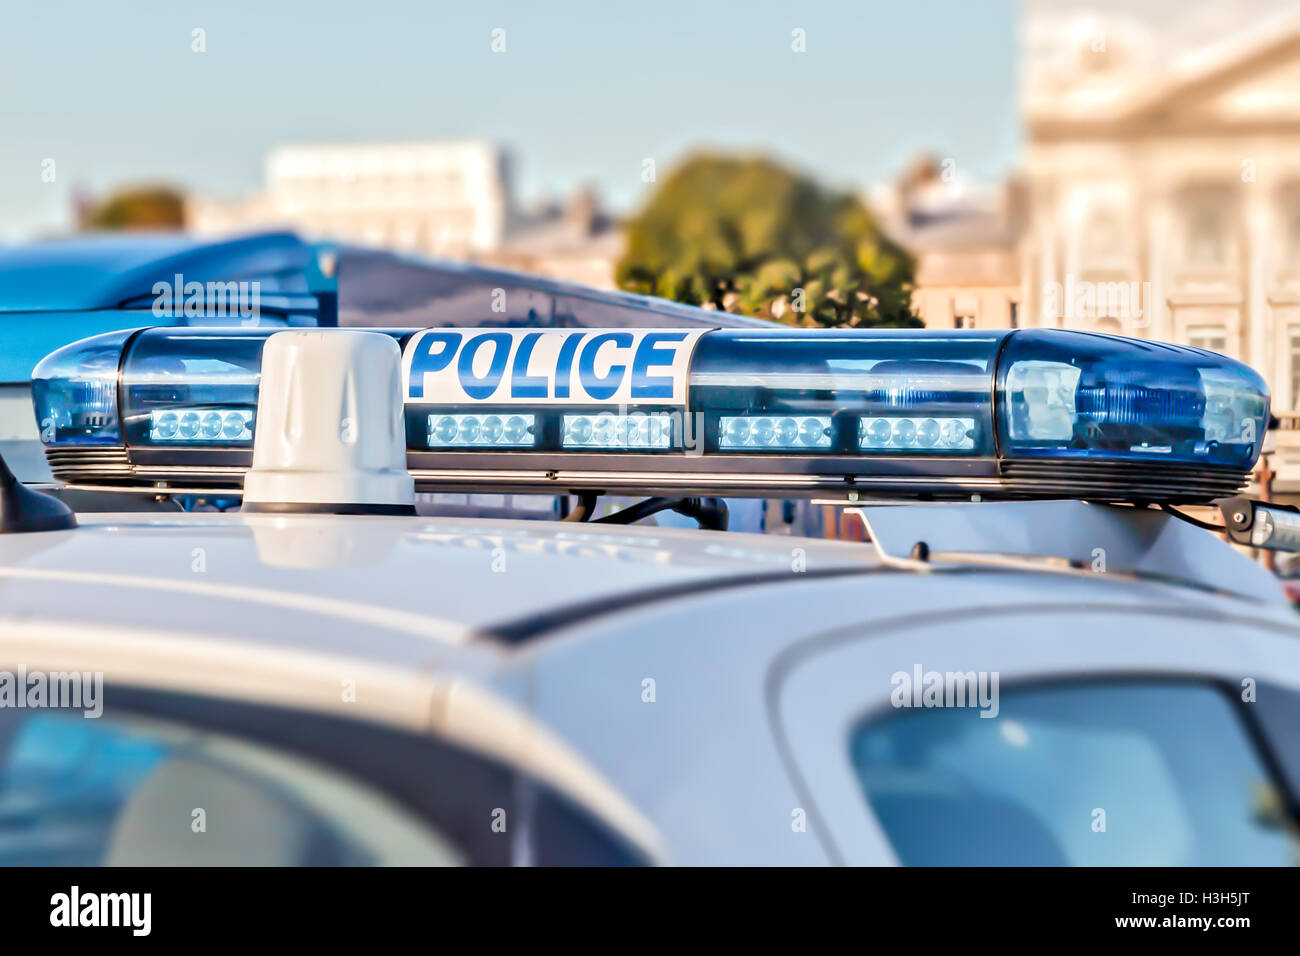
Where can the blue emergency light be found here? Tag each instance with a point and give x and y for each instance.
(772, 413)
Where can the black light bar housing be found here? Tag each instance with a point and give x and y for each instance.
(843, 415)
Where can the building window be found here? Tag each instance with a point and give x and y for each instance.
(963, 321)
(1295, 368)
(1015, 315)
(1212, 338)
(1207, 241)
(1103, 244)
(1293, 242)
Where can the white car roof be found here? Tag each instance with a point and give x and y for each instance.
(421, 590)
(416, 588)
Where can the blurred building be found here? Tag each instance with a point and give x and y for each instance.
(576, 241)
(1164, 169)
(966, 240)
(1159, 194)
(444, 200)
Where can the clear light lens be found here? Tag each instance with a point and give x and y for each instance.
(602, 431)
(211, 427)
(1072, 394)
(164, 426)
(608, 430)
(74, 392)
(517, 429)
(1276, 529)
(952, 431)
(925, 433)
(1232, 413)
(785, 432)
(200, 425)
(481, 431)
(1048, 392)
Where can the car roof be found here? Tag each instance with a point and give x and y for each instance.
(395, 283)
(104, 271)
(420, 589)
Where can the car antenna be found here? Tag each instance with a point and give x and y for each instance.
(23, 509)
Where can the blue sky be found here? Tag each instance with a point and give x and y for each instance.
(584, 92)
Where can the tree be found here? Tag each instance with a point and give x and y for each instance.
(746, 235)
(150, 207)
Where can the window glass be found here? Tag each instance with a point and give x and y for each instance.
(114, 791)
(1119, 774)
(579, 312)
(1277, 713)
(1212, 338)
(275, 787)
(378, 290)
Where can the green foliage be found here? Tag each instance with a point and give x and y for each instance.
(747, 235)
(143, 208)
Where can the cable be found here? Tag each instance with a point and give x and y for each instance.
(709, 513)
(1171, 510)
(642, 509)
(583, 509)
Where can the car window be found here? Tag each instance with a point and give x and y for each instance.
(86, 792)
(172, 779)
(1110, 774)
(377, 290)
(578, 312)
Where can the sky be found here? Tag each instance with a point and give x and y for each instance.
(583, 93)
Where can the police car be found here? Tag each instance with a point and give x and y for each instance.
(1040, 658)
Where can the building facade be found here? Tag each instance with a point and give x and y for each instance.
(574, 242)
(965, 237)
(1165, 203)
(442, 199)
(1159, 198)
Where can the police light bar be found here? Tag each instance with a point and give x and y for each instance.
(780, 413)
